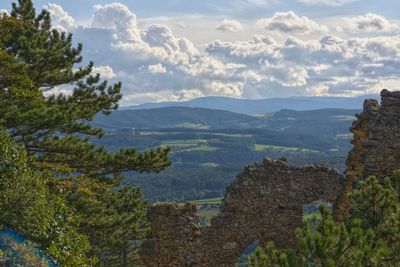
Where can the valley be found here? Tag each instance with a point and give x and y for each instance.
(206, 159)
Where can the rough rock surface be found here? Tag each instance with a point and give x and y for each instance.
(376, 149)
(264, 203)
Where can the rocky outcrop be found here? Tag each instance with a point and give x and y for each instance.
(264, 203)
(376, 146)
(356, 156)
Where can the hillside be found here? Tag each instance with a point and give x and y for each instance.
(174, 117)
(259, 106)
(209, 147)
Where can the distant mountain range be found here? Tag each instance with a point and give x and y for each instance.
(261, 106)
(175, 117)
(316, 122)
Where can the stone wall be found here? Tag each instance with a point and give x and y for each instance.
(376, 146)
(264, 203)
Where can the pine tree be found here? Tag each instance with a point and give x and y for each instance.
(55, 131)
(115, 222)
(56, 128)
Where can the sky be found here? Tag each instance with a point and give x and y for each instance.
(175, 50)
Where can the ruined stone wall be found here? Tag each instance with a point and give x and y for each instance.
(264, 203)
(174, 238)
(376, 146)
(355, 159)
(382, 149)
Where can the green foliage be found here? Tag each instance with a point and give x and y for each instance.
(370, 238)
(56, 128)
(28, 206)
(52, 184)
(113, 220)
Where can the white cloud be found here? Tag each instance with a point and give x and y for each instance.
(371, 22)
(289, 22)
(117, 17)
(104, 71)
(157, 68)
(155, 65)
(327, 2)
(229, 25)
(60, 19)
(3, 11)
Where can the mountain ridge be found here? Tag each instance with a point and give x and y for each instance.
(261, 106)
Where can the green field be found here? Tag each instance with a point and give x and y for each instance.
(344, 117)
(261, 147)
(189, 125)
(203, 148)
(209, 165)
(231, 135)
(210, 201)
(183, 143)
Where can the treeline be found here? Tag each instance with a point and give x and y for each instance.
(56, 187)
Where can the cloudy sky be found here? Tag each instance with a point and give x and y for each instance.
(182, 49)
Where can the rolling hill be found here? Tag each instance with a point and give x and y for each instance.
(175, 117)
(209, 147)
(260, 106)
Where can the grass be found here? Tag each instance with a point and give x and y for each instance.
(344, 136)
(230, 135)
(193, 145)
(203, 148)
(344, 117)
(183, 143)
(264, 116)
(310, 216)
(261, 147)
(176, 145)
(208, 214)
(189, 125)
(210, 201)
(179, 142)
(209, 165)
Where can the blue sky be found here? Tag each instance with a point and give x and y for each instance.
(147, 8)
(182, 49)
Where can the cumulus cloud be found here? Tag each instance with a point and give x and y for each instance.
(289, 22)
(61, 20)
(3, 11)
(155, 65)
(157, 68)
(327, 2)
(104, 71)
(371, 22)
(229, 25)
(117, 17)
(329, 66)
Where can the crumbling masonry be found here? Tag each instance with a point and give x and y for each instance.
(265, 202)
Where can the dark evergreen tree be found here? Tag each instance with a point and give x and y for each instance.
(55, 132)
(115, 222)
(56, 129)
